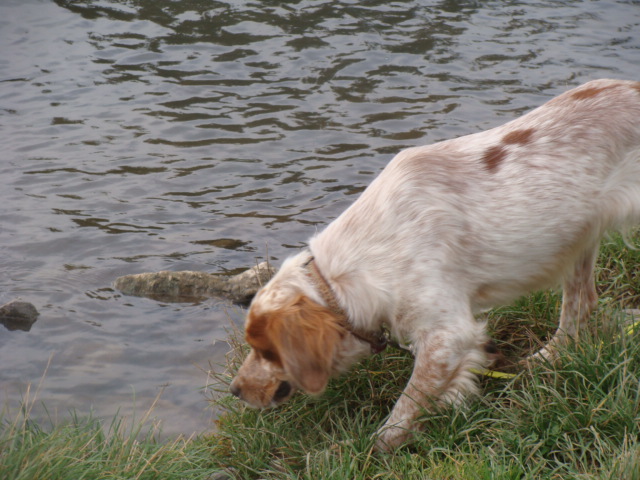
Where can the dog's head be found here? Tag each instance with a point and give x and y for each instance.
(295, 344)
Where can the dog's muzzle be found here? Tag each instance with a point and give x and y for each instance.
(282, 393)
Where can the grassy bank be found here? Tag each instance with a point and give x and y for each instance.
(578, 420)
(84, 448)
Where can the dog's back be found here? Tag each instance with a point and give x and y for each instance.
(506, 210)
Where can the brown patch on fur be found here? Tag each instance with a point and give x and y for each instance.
(521, 137)
(301, 338)
(257, 337)
(493, 157)
(586, 93)
(636, 86)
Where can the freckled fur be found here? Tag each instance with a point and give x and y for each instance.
(451, 229)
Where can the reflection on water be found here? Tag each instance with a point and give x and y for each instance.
(148, 135)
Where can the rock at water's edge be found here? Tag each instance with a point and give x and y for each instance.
(188, 285)
(18, 315)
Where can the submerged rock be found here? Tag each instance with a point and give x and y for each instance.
(189, 285)
(18, 315)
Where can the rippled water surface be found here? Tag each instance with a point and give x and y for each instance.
(147, 135)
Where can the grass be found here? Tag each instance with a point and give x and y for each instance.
(577, 420)
(580, 420)
(83, 448)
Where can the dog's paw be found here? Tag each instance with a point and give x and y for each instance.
(389, 438)
(547, 356)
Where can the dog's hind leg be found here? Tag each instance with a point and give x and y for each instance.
(579, 298)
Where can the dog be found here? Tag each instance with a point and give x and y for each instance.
(445, 232)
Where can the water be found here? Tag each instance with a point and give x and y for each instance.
(148, 135)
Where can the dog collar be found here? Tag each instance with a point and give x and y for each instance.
(377, 340)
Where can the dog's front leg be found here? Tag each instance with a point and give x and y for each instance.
(579, 298)
(441, 375)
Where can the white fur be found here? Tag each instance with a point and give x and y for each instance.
(448, 230)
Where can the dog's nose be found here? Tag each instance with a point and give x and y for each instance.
(283, 391)
(235, 390)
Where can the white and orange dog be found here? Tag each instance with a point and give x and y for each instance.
(444, 232)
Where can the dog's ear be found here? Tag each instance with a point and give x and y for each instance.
(306, 336)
